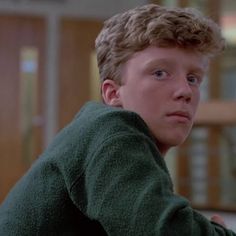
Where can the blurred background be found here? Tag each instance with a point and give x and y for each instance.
(48, 71)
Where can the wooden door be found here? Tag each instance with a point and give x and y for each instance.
(22, 46)
(76, 48)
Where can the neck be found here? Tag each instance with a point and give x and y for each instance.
(163, 149)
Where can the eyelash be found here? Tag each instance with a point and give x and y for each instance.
(197, 79)
(162, 72)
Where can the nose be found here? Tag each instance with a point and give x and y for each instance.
(183, 91)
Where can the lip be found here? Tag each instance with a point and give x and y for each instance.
(182, 116)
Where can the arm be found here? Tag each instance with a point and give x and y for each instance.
(126, 187)
(218, 219)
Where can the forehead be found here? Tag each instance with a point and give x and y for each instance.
(158, 55)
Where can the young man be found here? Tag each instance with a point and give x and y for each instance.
(105, 173)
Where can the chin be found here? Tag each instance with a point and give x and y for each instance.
(179, 140)
(165, 144)
(172, 139)
(175, 140)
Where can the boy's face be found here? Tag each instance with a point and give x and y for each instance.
(162, 86)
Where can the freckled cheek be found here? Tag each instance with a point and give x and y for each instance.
(195, 102)
(198, 96)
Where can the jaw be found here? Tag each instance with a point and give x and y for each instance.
(174, 137)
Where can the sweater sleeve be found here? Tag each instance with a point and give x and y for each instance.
(126, 187)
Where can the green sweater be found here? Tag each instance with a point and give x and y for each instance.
(102, 173)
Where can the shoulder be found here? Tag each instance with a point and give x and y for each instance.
(97, 125)
(107, 120)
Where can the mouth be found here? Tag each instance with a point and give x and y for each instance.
(181, 116)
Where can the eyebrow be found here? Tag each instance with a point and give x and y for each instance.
(154, 62)
(162, 61)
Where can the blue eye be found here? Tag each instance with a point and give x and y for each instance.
(193, 80)
(160, 74)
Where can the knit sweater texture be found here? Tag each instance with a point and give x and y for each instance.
(102, 175)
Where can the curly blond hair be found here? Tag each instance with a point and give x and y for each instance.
(151, 24)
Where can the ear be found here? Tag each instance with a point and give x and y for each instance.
(111, 93)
